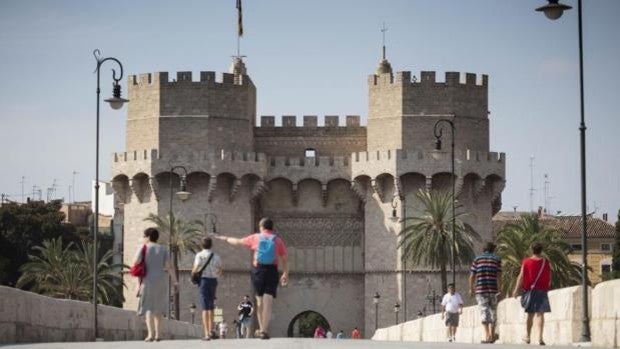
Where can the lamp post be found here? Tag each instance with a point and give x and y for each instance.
(192, 310)
(213, 224)
(116, 102)
(554, 10)
(438, 131)
(396, 310)
(433, 298)
(394, 218)
(375, 300)
(183, 195)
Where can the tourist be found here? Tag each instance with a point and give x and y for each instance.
(269, 251)
(246, 309)
(153, 291)
(356, 334)
(485, 283)
(451, 308)
(329, 334)
(534, 280)
(237, 324)
(319, 332)
(209, 265)
(340, 335)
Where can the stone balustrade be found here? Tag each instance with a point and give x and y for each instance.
(562, 326)
(27, 317)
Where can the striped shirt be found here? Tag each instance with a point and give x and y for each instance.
(486, 268)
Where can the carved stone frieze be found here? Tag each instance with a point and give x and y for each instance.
(320, 231)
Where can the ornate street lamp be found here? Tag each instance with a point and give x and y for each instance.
(554, 10)
(396, 310)
(192, 310)
(438, 131)
(116, 102)
(375, 300)
(183, 195)
(394, 218)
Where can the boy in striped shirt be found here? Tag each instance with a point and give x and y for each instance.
(485, 283)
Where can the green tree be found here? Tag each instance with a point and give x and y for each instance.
(23, 226)
(427, 239)
(615, 264)
(184, 237)
(66, 272)
(513, 245)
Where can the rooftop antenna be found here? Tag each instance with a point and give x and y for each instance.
(532, 190)
(239, 29)
(546, 193)
(383, 30)
(22, 181)
(72, 191)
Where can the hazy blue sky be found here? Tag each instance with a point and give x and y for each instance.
(324, 49)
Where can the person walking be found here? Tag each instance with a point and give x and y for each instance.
(153, 291)
(319, 332)
(223, 326)
(340, 335)
(485, 283)
(356, 334)
(451, 308)
(209, 265)
(246, 310)
(269, 251)
(533, 284)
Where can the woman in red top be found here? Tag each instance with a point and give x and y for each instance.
(535, 276)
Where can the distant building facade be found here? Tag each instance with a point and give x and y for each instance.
(601, 236)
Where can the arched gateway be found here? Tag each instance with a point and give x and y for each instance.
(304, 324)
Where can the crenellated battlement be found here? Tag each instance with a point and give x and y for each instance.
(400, 154)
(183, 78)
(212, 156)
(428, 78)
(311, 121)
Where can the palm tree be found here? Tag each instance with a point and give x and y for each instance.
(184, 237)
(109, 277)
(513, 245)
(66, 272)
(427, 238)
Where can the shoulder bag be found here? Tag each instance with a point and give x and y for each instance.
(197, 275)
(526, 297)
(139, 269)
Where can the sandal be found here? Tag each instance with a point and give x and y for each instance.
(542, 343)
(148, 339)
(526, 340)
(264, 335)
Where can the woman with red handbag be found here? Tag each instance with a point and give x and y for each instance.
(152, 262)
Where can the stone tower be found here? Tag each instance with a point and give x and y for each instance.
(331, 189)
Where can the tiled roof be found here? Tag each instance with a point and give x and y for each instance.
(570, 226)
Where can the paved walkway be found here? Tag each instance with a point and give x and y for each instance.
(276, 343)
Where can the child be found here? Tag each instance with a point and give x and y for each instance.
(451, 307)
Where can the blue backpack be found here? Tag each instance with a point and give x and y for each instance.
(266, 252)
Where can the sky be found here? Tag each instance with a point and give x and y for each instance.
(324, 49)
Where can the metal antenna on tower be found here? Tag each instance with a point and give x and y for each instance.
(22, 183)
(532, 190)
(383, 30)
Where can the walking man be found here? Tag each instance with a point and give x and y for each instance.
(269, 251)
(246, 310)
(451, 308)
(485, 283)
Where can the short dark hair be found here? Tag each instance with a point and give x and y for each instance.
(489, 247)
(152, 234)
(537, 248)
(266, 223)
(207, 243)
(450, 285)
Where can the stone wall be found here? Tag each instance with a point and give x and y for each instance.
(562, 326)
(27, 317)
